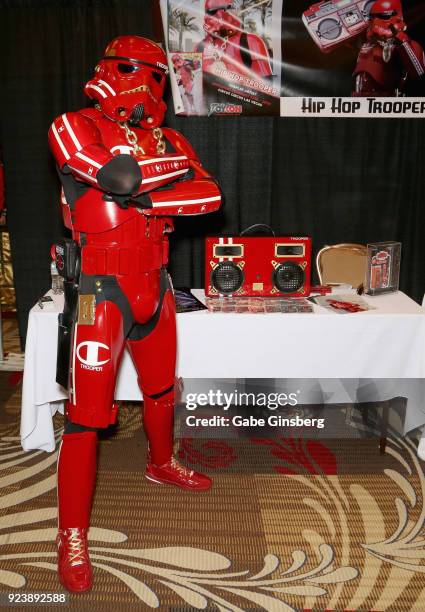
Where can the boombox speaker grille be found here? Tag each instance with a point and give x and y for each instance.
(329, 29)
(227, 277)
(288, 277)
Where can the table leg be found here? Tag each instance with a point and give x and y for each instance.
(384, 427)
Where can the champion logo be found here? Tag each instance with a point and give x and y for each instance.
(93, 355)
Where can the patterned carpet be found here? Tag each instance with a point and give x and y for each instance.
(289, 524)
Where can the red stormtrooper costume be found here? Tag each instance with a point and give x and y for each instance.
(123, 179)
(227, 46)
(389, 56)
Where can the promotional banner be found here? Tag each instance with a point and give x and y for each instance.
(356, 58)
(224, 56)
(335, 58)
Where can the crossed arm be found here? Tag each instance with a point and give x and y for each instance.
(164, 182)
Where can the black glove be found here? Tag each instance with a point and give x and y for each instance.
(121, 175)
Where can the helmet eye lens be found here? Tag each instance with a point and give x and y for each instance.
(384, 16)
(127, 68)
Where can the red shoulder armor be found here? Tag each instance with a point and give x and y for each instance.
(179, 142)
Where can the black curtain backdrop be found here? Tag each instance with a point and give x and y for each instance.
(338, 180)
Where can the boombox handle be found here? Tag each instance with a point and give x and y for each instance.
(257, 228)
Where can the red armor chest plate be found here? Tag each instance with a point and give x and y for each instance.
(93, 214)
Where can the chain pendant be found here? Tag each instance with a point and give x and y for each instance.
(160, 143)
(131, 138)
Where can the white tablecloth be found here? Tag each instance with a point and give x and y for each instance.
(385, 343)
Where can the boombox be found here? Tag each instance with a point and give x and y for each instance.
(332, 22)
(257, 266)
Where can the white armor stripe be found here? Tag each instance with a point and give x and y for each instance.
(108, 87)
(71, 132)
(59, 141)
(154, 179)
(74, 391)
(187, 203)
(88, 160)
(91, 178)
(159, 159)
(413, 58)
(102, 93)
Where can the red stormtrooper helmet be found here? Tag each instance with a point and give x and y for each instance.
(129, 81)
(386, 9)
(219, 20)
(386, 19)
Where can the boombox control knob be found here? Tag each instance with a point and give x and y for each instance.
(227, 277)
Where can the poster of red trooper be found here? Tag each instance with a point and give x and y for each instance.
(357, 58)
(297, 58)
(224, 56)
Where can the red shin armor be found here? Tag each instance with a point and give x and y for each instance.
(162, 467)
(122, 183)
(76, 486)
(76, 480)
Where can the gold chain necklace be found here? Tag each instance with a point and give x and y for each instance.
(132, 139)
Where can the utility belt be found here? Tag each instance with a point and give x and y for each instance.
(125, 261)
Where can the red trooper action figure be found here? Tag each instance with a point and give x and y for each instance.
(123, 178)
(227, 46)
(389, 56)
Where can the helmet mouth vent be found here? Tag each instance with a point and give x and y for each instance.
(137, 114)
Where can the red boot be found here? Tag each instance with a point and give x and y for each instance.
(174, 473)
(76, 480)
(74, 568)
(162, 467)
